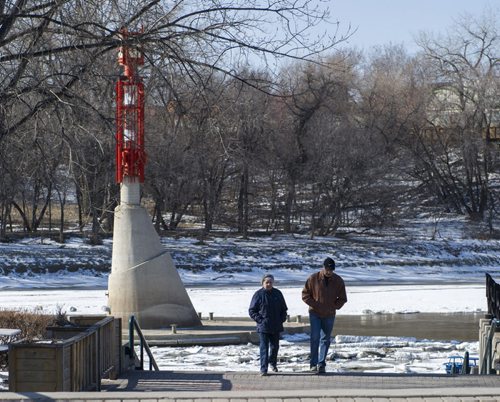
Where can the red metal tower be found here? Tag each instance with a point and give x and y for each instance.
(130, 153)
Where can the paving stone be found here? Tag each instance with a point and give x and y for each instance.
(397, 399)
(172, 386)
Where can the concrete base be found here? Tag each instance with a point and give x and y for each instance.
(144, 281)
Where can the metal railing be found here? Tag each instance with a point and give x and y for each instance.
(493, 297)
(133, 326)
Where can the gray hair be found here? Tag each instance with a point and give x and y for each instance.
(267, 276)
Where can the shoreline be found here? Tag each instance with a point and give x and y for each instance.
(246, 285)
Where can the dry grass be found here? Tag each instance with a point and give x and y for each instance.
(70, 217)
(31, 323)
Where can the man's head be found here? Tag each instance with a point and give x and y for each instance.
(328, 266)
(267, 281)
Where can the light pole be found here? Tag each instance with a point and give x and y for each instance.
(143, 281)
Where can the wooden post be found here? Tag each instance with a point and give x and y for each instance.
(12, 368)
(116, 348)
(98, 356)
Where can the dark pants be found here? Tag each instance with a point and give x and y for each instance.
(269, 345)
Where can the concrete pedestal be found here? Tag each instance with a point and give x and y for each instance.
(144, 281)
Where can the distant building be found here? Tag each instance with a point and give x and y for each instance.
(454, 109)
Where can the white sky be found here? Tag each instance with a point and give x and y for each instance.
(381, 22)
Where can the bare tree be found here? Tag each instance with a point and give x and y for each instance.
(172, 174)
(316, 94)
(217, 35)
(51, 51)
(247, 111)
(465, 69)
(393, 100)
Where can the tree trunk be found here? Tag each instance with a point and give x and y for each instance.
(290, 198)
(23, 215)
(61, 224)
(243, 204)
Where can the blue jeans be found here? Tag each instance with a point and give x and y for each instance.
(269, 345)
(321, 331)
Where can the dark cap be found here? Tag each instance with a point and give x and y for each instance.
(329, 263)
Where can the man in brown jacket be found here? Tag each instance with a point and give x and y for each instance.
(324, 293)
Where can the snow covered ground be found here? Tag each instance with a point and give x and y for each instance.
(419, 252)
(430, 268)
(234, 301)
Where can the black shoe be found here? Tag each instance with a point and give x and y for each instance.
(263, 373)
(321, 370)
(313, 369)
(274, 369)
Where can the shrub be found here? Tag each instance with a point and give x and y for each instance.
(32, 323)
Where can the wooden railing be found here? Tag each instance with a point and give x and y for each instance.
(94, 354)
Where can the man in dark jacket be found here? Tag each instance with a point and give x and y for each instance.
(268, 309)
(324, 293)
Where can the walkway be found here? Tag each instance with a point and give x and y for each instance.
(168, 381)
(287, 387)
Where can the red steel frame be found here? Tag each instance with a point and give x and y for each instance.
(130, 153)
